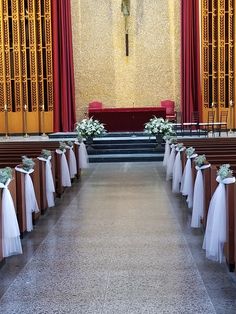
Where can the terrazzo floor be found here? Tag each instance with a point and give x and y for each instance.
(117, 242)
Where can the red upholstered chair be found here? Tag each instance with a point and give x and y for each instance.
(95, 105)
(170, 109)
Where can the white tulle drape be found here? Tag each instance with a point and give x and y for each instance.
(170, 163)
(167, 153)
(30, 198)
(215, 234)
(50, 187)
(187, 181)
(83, 156)
(177, 171)
(11, 244)
(198, 198)
(65, 173)
(72, 162)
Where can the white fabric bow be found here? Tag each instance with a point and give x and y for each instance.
(187, 181)
(83, 156)
(11, 244)
(215, 235)
(72, 162)
(198, 198)
(31, 204)
(50, 188)
(65, 173)
(170, 163)
(167, 153)
(177, 171)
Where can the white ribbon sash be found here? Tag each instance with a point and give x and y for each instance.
(167, 153)
(83, 156)
(50, 188)
(65, 173)
(215, 235)
(177, 172)
(31, 204)
(72, 162)
(187, 181)
(11, 244)
(198, 198)
(170, 163)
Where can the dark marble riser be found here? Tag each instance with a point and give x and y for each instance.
(125, 151)
(131, 158)
(125, 146)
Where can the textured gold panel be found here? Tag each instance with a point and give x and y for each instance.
(150, 74)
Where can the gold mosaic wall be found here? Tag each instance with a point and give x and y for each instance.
(149, 74)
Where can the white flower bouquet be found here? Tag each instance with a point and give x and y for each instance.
(225, 172)
(190, 151)
(157, 126)
(201, 160)
(5, 174)
(88, 128)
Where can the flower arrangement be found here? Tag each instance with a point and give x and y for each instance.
(180, 146)
(200, 160)
(190, 151)
(157, 126)
(28, 163)
(62, 146)
(5, 174)
(46, 153)
(70, 144)
(88, 128)
(224, 171)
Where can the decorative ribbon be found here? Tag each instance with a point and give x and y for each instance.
(83, 156)
(72, 162)
(170, 163)
(186, 187)
(215, 235)
(11, 244)
(65, 173)
(50, 188)
(167, 153)
(31, 204)
(177, 171)
(198, 198)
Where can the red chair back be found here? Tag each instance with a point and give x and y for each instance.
(95, 105)
(170, 107)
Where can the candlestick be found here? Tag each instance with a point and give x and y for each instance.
(5, 108)
(25, 121)
(6, 122)
(42, 122)
(42, 107)
(231, 114)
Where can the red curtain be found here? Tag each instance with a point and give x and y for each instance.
(64, 87)
(190, 59)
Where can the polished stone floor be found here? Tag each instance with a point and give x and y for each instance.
(117, 242)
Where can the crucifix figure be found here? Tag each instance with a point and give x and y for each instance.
(125, 8)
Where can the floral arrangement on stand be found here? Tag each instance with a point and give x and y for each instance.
(70, 144)
(46, 153)
(159, 126)
(89, 128)
(27, 163)
(225, 172)
(62, 146)
(5, 175)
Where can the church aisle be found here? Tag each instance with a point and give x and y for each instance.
(118, 247)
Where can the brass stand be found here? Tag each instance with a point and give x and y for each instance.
(42, 123)
(231, 115)
(6, 123)
(25, 122)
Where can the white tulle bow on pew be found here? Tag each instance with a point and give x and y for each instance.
(31, 204)
(215, 234)
(65, 173)
(167, 153)
(177, 171)
(83, 156)
(11, 244)
(50, 188)
(186, 187)
(198, 197)
(72, 162)
(170, 163)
